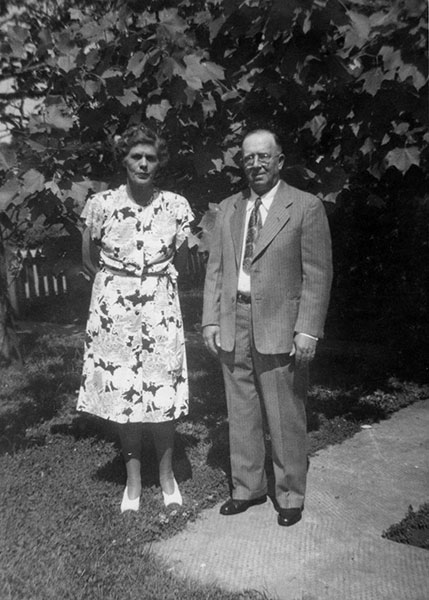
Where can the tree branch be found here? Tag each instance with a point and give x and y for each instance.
(22, 95)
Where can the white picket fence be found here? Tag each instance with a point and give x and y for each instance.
(31, 278)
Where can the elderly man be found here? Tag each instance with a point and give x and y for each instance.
(265, 301)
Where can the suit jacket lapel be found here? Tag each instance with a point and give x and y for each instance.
(278, 216)
(237, 224)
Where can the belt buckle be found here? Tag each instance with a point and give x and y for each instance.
(243, 298)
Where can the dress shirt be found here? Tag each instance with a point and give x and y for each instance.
(266, 201)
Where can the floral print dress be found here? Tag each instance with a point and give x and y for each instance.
(134, 362)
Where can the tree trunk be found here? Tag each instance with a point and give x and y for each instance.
(9, 345)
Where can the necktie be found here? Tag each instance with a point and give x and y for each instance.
(253, 228)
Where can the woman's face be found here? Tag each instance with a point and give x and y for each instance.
(141, 163)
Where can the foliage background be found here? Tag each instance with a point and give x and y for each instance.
(343, 83)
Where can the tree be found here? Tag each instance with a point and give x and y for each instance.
(345, 85)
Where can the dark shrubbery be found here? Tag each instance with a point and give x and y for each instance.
(413, 529)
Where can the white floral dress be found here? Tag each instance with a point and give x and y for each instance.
(134, 363)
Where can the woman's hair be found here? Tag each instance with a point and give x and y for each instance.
(142, 134)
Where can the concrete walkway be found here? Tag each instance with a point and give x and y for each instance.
(356, 490)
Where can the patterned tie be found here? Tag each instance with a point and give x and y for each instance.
(253, 228)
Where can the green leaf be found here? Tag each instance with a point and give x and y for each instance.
(330, 197)
(112, 73)
(57, 118)
(101, 32)
(158, 111)
(218, 163)
(193, 241)
(360, 32)
(52, 187)
(316, 126)
(368, 146)
(412, 74)
(212, 71)
(372, 80)
(137, 63)
(401, 128)
(403, 158)
(7, 158)
(67, 60)
(416, 8)
(207, 224)
(80, 190)
(17, 38)
(198, 71)
(215, 26)
(76, 15)
(91, 87)
(32, 182)
(245, 83)
(92, 59)
(208, 105)
(392, 59)
(130, 97)
(169, 18)
(35, 145)
(229, 156)
(395, 66)
(8, 192)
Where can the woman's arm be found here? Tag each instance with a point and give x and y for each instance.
(90, 255)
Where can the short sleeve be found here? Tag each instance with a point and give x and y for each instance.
(184, 218)
(93, 216)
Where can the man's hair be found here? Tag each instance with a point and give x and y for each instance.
(265, 130)
(142, 134)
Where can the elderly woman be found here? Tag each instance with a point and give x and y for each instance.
(135, 366)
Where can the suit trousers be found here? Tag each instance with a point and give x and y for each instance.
(270, 386)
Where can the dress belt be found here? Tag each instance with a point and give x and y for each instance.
(243, 298)
(124, 273)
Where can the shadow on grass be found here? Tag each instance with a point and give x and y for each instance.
(88, 427)
(35, 394)
(349, 387)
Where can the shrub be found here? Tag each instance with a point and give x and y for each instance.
(413, 529)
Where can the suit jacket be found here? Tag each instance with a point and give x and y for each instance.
(290, 276)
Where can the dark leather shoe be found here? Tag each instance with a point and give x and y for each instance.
(234, 507)
(289, 516)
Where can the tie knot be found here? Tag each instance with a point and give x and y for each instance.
(258, 202)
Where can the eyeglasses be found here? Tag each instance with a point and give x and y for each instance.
(264, 159)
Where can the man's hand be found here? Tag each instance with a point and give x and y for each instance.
(211, 336)
(304, 348)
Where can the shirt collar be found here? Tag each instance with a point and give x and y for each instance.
(266, 199)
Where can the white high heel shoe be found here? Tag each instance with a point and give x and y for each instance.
(174, 498)
(128, 504)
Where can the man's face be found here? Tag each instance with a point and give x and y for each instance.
(141, 163)
(262, 161)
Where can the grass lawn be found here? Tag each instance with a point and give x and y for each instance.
(62, 477)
